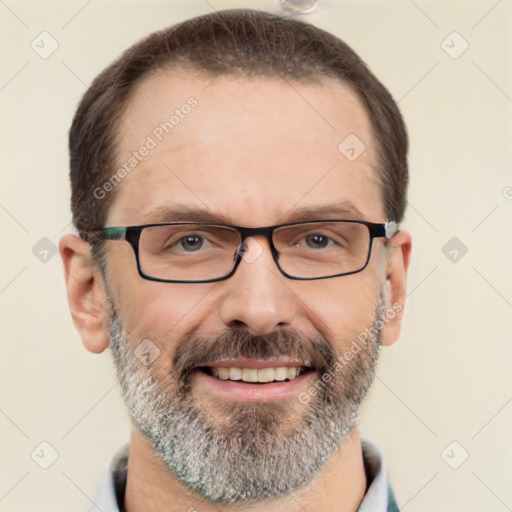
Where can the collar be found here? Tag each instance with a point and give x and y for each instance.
(379, 496)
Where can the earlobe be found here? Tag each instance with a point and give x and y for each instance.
(85, 292)
(395, 286)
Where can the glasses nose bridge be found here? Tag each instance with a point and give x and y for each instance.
(267, 232)
(246, 233)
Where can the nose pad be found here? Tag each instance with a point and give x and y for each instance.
(240, 250)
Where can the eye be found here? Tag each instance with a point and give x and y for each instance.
(318, 241)
(192, 243)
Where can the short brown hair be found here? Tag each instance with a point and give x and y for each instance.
(228, 42)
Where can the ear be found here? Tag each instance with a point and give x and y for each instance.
(86, 293)
(395, 285)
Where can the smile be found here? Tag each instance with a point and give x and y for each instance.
(251, 379)
(260, 375)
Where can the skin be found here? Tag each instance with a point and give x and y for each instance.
(253, 152)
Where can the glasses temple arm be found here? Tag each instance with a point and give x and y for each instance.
(391, 228)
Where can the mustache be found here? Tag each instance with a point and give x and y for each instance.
(240, 343)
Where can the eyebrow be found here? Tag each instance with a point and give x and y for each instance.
(184, 213)
(181, 213)
(342, 211)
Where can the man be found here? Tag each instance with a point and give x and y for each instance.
(237, 183)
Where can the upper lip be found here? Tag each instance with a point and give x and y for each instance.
(258, 363)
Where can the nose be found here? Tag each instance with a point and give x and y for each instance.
(256, 296)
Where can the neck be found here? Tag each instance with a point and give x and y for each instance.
(151, 486)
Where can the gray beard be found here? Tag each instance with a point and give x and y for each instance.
(260, 451)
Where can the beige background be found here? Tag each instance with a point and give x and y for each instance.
(447, 379)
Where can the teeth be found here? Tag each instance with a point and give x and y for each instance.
(266, 375)
(291, 373)
(235, 374)
(250, 375)
(223, 373)
(280, 373)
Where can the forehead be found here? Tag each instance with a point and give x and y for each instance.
(249, 150)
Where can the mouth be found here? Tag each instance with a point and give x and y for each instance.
(256, 379)
(255, 375)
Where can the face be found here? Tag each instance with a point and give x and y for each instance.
(250, 152)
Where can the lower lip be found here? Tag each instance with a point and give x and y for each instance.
(272, 391)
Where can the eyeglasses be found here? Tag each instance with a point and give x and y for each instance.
(202, 253)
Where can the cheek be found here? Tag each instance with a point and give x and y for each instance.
(344, 307)
(163, 313)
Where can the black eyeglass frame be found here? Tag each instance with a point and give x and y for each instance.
(131, 234)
